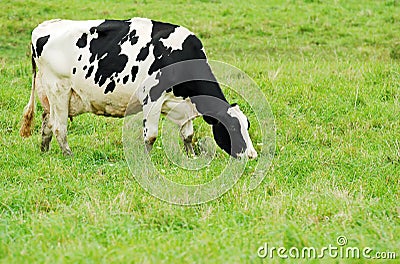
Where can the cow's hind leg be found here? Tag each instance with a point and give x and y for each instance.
(46, 131)
(59, 93)
(59, 122)
(47, 134)
(59, 128)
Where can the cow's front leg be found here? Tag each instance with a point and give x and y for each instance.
(182, 112)
(151, 117)
(187, 137)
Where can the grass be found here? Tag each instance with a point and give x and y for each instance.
(330, 71)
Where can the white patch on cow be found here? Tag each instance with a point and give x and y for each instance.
(147, 84)
(236, 112)
(63, 37)
(143, 27)
(176, 38)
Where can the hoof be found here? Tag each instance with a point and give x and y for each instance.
(68, 153)
(44, 148)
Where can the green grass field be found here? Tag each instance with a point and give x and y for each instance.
(331, 73)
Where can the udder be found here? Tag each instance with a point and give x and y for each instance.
(76, 105)
(106, 106)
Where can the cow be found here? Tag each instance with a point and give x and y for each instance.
(104, 66)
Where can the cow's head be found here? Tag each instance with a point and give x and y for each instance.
(232, 135)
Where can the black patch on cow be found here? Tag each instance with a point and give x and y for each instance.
(40, 42)
(169, 90)
(89, 73)
(125, 79)
(80, 57)
(74, 70)
(123, 40)
(85, 67)
(133, 38)
(82, 41)
(110, 87)
(191, 50)
(146, 100)
(159, 31)
(107, 49)
(144, 52)
(134, 72)
(33, 51)
(144, 122)
(204, 82)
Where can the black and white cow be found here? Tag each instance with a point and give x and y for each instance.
(98, 65)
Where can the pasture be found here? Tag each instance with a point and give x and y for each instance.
(331, 73)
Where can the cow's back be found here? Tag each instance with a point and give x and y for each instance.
(105, 61)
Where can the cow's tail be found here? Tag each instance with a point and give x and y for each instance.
(29, 111)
